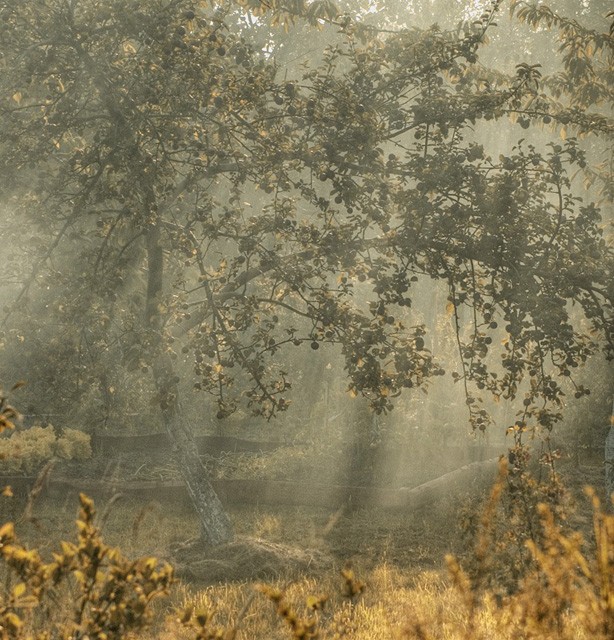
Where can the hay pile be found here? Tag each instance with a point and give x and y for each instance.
(244, 559)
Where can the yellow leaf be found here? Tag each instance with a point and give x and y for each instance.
(563, 133)
(7, 531)
(316, 602)
(79, 575)
(5, 423)
(450, 308)
(7, 492)
(67, 548)
(28, 602)
(19, 589)
(13, 622)
(17, 97)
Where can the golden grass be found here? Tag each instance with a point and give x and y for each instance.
(424, 606)
(567, 593)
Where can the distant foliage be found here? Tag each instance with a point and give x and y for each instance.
(25, 451)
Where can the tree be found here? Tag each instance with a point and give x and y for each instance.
(212, 208)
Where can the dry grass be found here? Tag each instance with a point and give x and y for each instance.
(568, 593)
(424, 606)
(377, 613)
(246, 558)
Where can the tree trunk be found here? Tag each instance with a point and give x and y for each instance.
(215, 526)
(609, 464)
(472, 477)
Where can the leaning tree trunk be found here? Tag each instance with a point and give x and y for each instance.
(215, 526)
(609, 463)
(214, 522)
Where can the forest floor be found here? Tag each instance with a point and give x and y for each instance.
(400, 555)
(416, 539)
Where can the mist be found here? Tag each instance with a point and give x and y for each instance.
(298, 289)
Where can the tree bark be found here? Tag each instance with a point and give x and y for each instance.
(215, 525)
(609, 464)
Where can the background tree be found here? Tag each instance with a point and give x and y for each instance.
(187, 203)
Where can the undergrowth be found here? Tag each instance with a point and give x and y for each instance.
(509, 525)
(88, 589)
(557, 585)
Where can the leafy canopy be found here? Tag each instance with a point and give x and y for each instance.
(250, 208)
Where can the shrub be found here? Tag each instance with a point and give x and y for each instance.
(510, 520)
(88, 590)
(25, 451)
(73, 445)
(568, 593)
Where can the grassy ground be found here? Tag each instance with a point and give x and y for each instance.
(404, 540)
(410, 593)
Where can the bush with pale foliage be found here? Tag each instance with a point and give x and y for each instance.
(25, 451)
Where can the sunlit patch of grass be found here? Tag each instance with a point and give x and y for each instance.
(567, 592)
(267, 526)
(365, 616)
(394, 605)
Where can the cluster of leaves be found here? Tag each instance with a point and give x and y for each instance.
(579, 95)
(142, 137)
(88, 590)
(26, 449)
(8, 413)
(566, 589)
